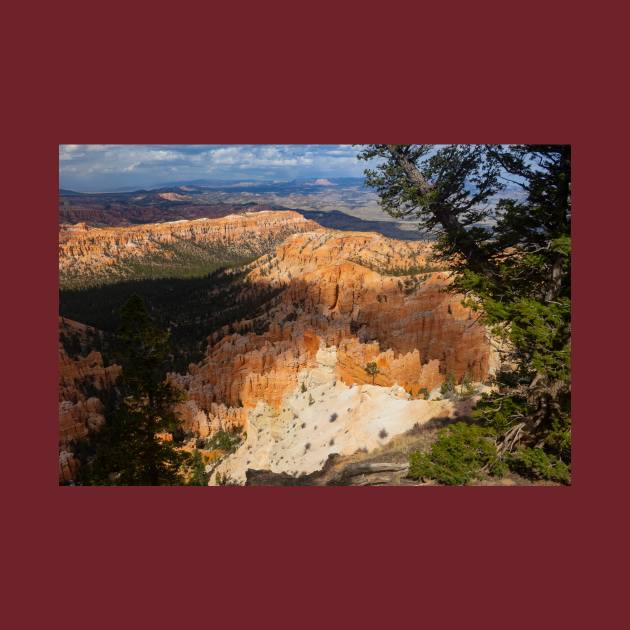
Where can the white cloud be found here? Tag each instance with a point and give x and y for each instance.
(257, 157)
(99, 166)
(69, 152)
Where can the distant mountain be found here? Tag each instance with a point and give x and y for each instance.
(263, 186)
(200, 186)
(201, 183)
(340, 203)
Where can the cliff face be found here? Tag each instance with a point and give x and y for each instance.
(88, 255)
(350, 291)
(101, 213)
(328, 418)
(82, 379)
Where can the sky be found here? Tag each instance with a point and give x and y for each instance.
(104, 167)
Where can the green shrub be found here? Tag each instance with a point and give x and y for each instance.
(198, 474)
(534, 463)
(448, 386)
(457, 457)
(558, 440)
(467, 388)
(225, 440)
(303, 388)
(499, 468)
(222, 479)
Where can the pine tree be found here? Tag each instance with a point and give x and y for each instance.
(511, 259)
(372, 369)
(129, 450)
(198, 474)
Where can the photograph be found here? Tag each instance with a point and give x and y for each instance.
(261, 369)
(314, 315)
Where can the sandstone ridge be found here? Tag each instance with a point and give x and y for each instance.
(83, 380)
(89, 254)
(371, 298)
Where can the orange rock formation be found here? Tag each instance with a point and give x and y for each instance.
(87, 250)
(79, 411)
(345, 290)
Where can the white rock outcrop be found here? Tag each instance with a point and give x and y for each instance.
(328, 417)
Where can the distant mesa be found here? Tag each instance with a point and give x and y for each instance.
(336, 203)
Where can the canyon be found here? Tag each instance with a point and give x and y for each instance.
(397, 313)
(291, 375)
(96, 255)
(338, 204)
(84, 381)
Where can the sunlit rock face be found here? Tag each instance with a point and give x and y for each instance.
(372, 298)
(321, 417)
(88, 254)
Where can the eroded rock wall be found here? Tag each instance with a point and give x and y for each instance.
(83, 380)
(370, 311)
(88, 252)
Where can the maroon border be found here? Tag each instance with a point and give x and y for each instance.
(440, 557)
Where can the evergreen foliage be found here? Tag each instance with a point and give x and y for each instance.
(535, 463)
(511, 259)
(191, 308)
(227, 441)
(458, 456)
(128, 449)
(372, 369)
(181, 258)
(198, 474)
(447, 389)
(466, 388)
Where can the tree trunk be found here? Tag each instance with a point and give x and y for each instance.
(555, 282)
(444, 215)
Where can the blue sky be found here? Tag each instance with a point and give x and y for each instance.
(101, 167)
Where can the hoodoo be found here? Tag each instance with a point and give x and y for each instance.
(362, 296)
